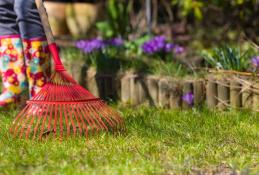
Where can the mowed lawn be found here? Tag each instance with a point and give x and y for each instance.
(157, 141)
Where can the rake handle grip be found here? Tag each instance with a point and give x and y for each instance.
(49, 35)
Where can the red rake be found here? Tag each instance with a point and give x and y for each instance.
(63, 107)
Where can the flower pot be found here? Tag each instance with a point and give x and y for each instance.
(81, 17)
(57, 17)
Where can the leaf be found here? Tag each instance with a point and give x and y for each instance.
(198, 13)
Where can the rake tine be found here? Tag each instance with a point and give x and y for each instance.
(44, 120)
(97, 117)
(39, 121)
(78, 118)
(115, 114)
(88, 119)
(67, 122)
(78, 123)
(82, 119)
(17, 119)
(19, 125)
(110, 122)
(60, 122)
(107, 113)
(95, 123)
(94, 127)
(50, 119)
(32, 121)
(27, 121)
(55, 120)
(72, 122)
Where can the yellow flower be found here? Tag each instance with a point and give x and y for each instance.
(15, 89)
(40, 83)
(8, 100)
(14, 52)
(17, 70)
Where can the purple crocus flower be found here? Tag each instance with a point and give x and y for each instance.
(255, 61)
(160, 45)
(169, 47)
(80, 44)
(118, 42)
(155, 45)
(92, 45)
(188, 98)
(178, 49)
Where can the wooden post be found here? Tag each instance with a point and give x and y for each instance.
(211, 93)
(187, 89)
(235, 94)
(152, 90)
(256, 97)
(125, 89)
(142, 88)
(134, 90)
(199, 92)
(164, 93)
(175, 95)
(76, 70)
(92, 82)
(223, 94)
(101, 86)
(108, 86)
(247, 95)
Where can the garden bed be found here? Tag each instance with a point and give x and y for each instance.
(158, 72)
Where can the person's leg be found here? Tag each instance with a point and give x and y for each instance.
(8, 25)
(12, 65)
(34, 42)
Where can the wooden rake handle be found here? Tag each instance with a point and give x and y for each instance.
(45, 21)
(49, 35)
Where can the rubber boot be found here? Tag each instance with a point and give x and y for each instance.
(12, 69)
(37, 58)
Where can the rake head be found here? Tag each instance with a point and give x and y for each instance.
(63, 108)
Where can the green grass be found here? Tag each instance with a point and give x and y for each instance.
(157, 141)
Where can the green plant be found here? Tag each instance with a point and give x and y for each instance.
(71, 54)
(228, 58)
(133, 47)
(117, 23)
(188, 7)
(168, 69)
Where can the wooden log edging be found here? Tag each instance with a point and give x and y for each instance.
(214, 91)
(235, 94)
(161, 91)
(211, 92)
(176, 95)
(223, 88)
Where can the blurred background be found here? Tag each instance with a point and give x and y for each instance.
(196, 23)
